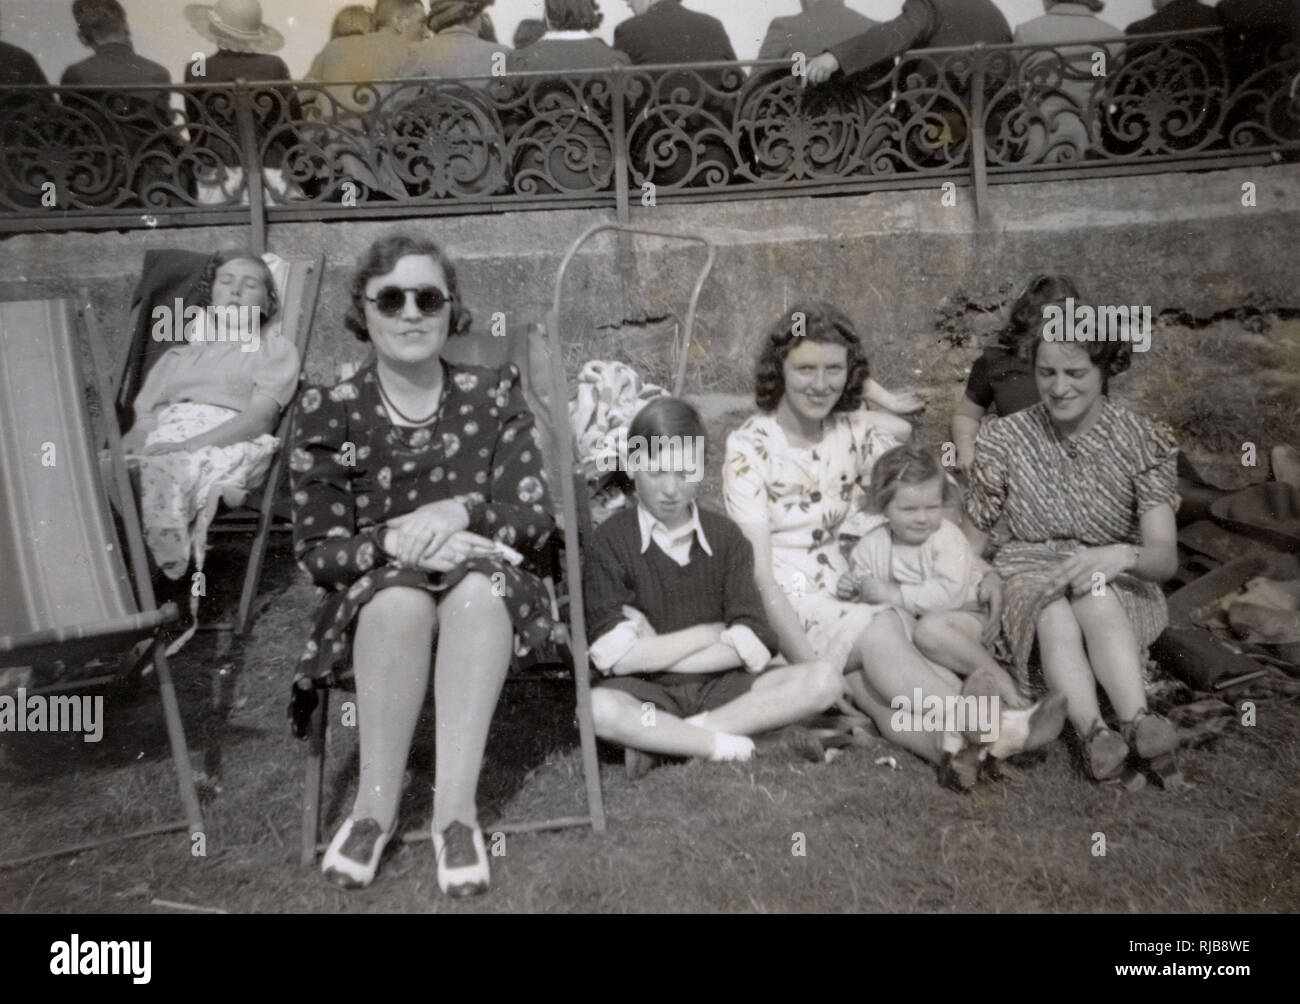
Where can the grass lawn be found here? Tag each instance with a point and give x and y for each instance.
(861, 833)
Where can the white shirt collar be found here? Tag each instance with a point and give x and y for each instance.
(653, 529)
(568, 36)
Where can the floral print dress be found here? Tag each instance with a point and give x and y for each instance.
(804, 495)
(352, 470)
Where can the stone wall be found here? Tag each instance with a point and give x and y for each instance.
(1174, 241)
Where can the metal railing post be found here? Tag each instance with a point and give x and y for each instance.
(979, 169)
(621, 171)
(252, 165)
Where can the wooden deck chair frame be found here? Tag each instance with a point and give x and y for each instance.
(576, 526)
(105, 573)
(297, 312)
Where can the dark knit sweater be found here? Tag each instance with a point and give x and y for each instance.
(708, 589)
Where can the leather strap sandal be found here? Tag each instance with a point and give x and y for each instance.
(1154, 738)
(1151, 735)
(1106, 752)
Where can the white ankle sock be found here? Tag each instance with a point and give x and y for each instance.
(1013, 732)
(731, 747)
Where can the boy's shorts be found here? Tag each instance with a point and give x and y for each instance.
(685, 694)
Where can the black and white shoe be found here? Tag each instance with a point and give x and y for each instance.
(462, 860)
(353, 855)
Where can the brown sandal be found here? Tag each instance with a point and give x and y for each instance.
(1150, 735)
(1106, 752)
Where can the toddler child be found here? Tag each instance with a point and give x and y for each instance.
(915, 560)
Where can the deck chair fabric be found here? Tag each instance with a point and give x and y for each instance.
(169, 275)
(67, 592)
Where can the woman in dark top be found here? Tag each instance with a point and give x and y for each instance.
(1001, 380)
(413, 483)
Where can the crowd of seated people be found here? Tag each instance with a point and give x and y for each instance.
(679, 123)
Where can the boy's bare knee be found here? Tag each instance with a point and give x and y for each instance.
(605, 708)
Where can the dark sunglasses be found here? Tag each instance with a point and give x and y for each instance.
(391, 300)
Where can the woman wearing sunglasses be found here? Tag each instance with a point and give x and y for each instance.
(417, 483)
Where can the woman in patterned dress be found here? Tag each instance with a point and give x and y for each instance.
(791, 477)
(1087, 489)
(414, 482)
(206, 413)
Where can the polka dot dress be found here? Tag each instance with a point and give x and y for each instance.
(352, 470)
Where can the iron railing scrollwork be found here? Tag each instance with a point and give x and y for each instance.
(137, 156)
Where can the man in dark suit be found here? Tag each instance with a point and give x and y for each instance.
(663, 31)
(140, 120)
(1175, 15)
(1254, 33)
(101, 25)
(18, 66)
(822, 24)
(923, 24)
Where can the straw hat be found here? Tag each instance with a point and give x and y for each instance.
(234, 24)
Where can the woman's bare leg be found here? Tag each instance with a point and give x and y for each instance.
(390, 651)
(470, 667)
(1112, 651)
(1065, 664)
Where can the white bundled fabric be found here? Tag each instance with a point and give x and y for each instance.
(609, 396)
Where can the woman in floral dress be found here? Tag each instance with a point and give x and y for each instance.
(416, 485)
(794, 477)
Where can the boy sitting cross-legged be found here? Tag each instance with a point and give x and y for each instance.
(674, 617)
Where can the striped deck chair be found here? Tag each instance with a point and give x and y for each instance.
(68, 595)
(167, 275)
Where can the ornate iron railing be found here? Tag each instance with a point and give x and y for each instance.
(145, 156)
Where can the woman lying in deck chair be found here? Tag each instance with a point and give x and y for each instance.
(205, 414)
